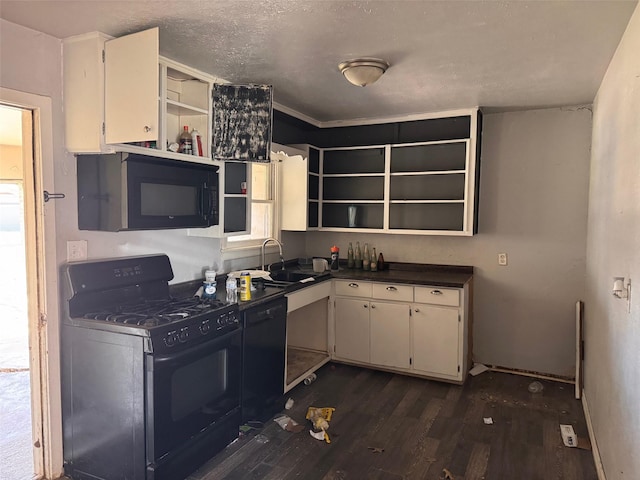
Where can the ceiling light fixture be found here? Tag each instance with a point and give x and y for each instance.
(363, 71)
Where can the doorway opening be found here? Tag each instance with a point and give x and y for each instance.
(16, 425)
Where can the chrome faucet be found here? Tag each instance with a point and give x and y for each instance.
(277, 242)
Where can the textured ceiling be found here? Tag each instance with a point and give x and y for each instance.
(444, 55)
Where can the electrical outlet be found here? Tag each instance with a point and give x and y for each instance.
(502, 259)
(76, 250)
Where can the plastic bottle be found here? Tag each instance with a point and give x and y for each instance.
(366, 259)
(310, 379)
(196, 142)
(373, 264)
(380, 262)
(535, 387)
(185, 141)
(335, 258)
(357, 259)
(350, 259)
(209, 284)
(232, 290)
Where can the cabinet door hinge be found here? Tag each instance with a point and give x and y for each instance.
(458, 318)
(458, 368)
(334, 349)
(410, 314)
(103, 56)
(103, 128)
(410, 361)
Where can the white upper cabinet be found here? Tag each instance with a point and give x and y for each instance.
(121, 95)
(132, 88)
(300, 179)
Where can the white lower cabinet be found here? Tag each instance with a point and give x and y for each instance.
(389, 334)
(419, 330)
(435, 340)
(352, 329)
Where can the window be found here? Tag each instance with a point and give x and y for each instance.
(263, 208)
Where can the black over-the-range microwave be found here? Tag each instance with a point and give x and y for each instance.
(125, 191)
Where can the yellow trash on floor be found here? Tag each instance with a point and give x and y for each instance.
(320, 418)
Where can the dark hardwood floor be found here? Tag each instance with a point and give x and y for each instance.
(426, 429)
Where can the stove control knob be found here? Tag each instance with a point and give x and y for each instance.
(184, 334)
(170, 339)
(205, 327)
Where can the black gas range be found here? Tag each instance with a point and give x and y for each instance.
(147, 378)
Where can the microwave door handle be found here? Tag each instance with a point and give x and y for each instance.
(204, 193)
(212, 207)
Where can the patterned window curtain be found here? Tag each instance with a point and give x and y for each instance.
(242, 119)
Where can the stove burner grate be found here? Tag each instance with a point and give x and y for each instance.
(152, 313)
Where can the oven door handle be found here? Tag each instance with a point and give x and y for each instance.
(194, 351)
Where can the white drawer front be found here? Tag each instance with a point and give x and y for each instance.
(387, 291)
(353, 288)
(438, 296)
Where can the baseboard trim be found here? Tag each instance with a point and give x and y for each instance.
(528, 373)
(594, 445)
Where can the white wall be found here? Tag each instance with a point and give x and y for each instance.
(612, 343)
(533, 206)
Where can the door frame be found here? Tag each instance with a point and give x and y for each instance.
(42, 283)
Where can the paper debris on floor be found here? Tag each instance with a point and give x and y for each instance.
(289, 404)
(319, 418)
(477, 369)
(318, 435)
(569, 437)
(447, 475)
(289, 424)
(488, 420)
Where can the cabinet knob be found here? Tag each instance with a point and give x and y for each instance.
(147, 128)
(436, 292)
(354, 285)
(366, 306)
(392, 289)
(417, 310)
(373, 306)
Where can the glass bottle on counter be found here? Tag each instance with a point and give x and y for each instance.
(358, 256)
(350, 259)
(380, 262)
(366, 259)
(374, 265)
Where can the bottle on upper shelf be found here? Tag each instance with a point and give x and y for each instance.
(185, 141)
(196, 143)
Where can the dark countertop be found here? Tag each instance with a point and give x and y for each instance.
(413, 273)
(454, 276)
